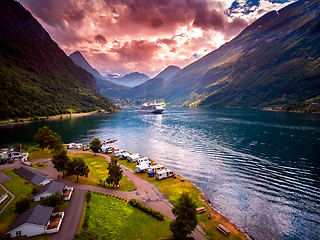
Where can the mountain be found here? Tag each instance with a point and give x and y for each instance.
(150, 87)
(106, 87)
(79, 60)
(36, 77)
(168, 73)
(130, 80)
(275, 60)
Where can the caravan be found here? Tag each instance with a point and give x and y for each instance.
(164, 174)
(144, 160)
(153, 169)
(118, 153)
(106, 148)
(133, 157)
(143, 167)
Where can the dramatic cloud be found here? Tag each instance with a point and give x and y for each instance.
(121, 36)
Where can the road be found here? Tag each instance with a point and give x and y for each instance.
(144, 192)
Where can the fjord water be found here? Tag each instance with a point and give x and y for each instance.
(260, 169)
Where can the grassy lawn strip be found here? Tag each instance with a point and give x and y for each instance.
(20, 188)
(98, 170)
(172, 188)
(113, 218)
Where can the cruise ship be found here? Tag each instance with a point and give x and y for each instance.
(151, 108)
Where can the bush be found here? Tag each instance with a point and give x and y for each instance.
(22, 205)
(53, 200)
(135, 203)
(35, 190)
(86, 235)
(88, 196)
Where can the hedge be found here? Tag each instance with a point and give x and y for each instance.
(156, 214)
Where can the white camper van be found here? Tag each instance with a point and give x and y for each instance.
(143, 167)
(133, 157)
(124, 155)
(105, 148)
(164, 174)
(144, 160)
(71, 145)
(118, 153)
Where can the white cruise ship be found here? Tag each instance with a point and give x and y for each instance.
(151, 108)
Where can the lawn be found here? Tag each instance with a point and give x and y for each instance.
(98, 170)
(112, 218)
(20, 189)
(38, 154)
(172, 188)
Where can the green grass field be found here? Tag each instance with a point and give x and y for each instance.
(20, 189)
(112, 218)
(39, 154)
(172, 188)
(98, 170)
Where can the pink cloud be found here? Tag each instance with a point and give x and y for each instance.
(136, 35)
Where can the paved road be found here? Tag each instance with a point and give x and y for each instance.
(72, 218)
(144, 192)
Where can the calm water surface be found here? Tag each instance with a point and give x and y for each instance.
(260, 169)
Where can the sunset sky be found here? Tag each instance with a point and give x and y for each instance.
(123, 36)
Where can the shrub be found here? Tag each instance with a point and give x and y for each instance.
(88, 196)
(53, 200)
(156, 214)
(22, 205)
(35, 190)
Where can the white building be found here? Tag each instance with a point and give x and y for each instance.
(32, 222)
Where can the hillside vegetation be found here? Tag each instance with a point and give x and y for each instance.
(36, 76)
(275, 60)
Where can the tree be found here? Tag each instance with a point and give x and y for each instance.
(77, 166)
(53, 200)
(41, 137)
(186, 217)
(46, 138)
(115, 173)
(22, 205)
(95, 145)
(60, 160)
(54, 142)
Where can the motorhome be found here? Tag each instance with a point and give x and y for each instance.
(133, 157)
(124, 155)
(144, 160)
(71, 145)
(143, 167)
(78, 146)
(118, 153)
(164, 174)
(105, 148)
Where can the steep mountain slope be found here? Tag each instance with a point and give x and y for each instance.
(130, 79)
(79, 60)
(274, 60)
(36, 76)
(168, 73)
(106, 87)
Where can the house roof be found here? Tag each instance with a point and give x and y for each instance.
(38, 215)
(31, 175)
(51, 187)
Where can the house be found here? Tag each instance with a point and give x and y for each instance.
(52, 188)
(33, 176)
(32, 222)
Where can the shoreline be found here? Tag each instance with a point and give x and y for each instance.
(56, 117)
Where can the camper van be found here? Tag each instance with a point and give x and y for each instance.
(118, 153)
(144, 160)
(164, 174)
(124, 155)
(133, 157)
(153, 169)
(71, 145)
(143, 167)
(105, 148)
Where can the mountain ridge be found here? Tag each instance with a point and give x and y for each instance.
(36, 77)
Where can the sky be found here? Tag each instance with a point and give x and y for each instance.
(123, 36)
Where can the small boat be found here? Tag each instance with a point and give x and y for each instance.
(110, 140)
(151, 108)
